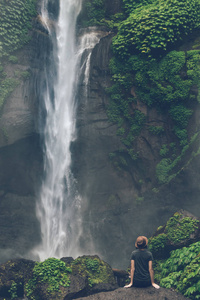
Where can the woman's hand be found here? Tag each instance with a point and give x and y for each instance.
(129, 285)
(156, 286)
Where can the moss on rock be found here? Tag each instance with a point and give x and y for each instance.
(94, 269)
(181, 229)
(49, 280)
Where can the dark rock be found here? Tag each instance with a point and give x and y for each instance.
(149, 293)
(113, 7)
(67, 260)
(16, 272)
(20, 172)
(121, 276)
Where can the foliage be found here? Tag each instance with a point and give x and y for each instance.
(166, 168)
(131, 5)
(94, 12)
(152, 28)
(92, 265)
(158, 242)
(13, 59)
(164, 150)
(13, 290)
(181, 271)
(52, 272)
(7, 86)
(180, 114)
(15, 21)
(163, 84)
(156, 130)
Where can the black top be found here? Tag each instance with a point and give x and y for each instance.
(141, 258)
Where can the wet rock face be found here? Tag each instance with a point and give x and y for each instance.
(116, 206)
(113, 7)
(21, 157)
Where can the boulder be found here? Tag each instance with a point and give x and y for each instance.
(68, 279)
(14, 274)
(181, 230)
(99, 274)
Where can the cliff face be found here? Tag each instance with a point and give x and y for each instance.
(21, 163)
(118, 203)
(122, 203)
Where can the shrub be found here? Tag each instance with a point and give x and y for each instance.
(155, 26)
(15, 21)
(131, 5)
(180, 114)
(52, 272)
(181, 271)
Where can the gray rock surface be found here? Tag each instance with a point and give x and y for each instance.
(149, 293)
(119, 205)
(21, 157)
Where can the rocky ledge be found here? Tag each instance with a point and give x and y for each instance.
(149, 293)
(87, 277)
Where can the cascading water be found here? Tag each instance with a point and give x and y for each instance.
(59, 205)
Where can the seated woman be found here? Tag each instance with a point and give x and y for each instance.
(142, 274)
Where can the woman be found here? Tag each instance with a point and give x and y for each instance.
(142, 274)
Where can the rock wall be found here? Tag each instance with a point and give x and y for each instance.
(21, 158)
(118, 206)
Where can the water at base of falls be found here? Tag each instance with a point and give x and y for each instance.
(59, 204)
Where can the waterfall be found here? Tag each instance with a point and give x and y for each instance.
(59, 204)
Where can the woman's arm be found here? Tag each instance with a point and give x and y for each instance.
(152, 275)
(132, 274)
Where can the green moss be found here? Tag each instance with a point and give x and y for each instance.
(164, 150)
(179, 228)
(52, 272)
(13, 59)
(156, 130)
(166, 169)
(94, 269)
(7, 86)
(158, 242)
(139, 200)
